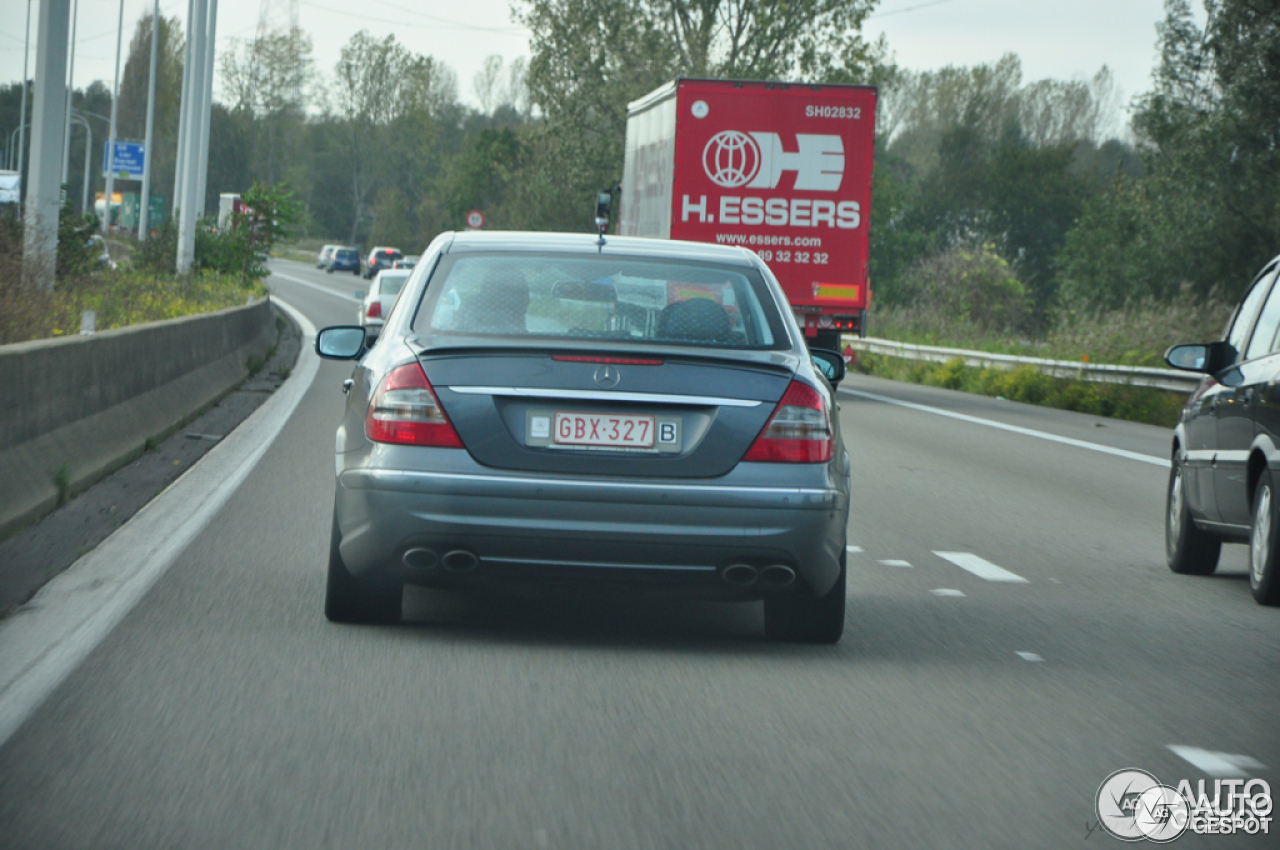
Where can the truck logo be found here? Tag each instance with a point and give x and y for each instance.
(757, 160)
(731, 159)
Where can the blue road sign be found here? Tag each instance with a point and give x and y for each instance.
(129, 159)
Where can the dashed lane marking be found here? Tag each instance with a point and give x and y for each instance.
(853, 550)
(1027, 656)
(1217, 764)
(946, 591)
(895, 563)
(980, 567)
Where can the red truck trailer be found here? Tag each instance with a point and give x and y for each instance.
(781, 168)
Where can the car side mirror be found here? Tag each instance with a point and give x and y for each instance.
(829, 363)
(1210, 358)
(340, 342)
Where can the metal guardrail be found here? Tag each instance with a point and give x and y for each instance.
(1138, 376)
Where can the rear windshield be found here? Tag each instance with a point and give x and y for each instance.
(346, 253)
(389, 284)
(617, 298)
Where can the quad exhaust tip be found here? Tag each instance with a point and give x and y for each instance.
(742, 575)
(777, 575)
(420, 558)
(459, 561)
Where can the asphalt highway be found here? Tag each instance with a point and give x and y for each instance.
(1014, 637)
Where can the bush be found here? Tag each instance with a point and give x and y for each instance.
(972, 286)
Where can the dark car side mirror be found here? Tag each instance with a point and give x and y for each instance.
(829, 363)
(1208, 357)
(340, 342)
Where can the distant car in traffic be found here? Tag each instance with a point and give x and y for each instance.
(407, 262)
(381, 258)
(378, 300)
(344, 260)
(322, 258)
(555, 412)
(1226, 446)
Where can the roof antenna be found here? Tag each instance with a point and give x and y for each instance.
(604, 200)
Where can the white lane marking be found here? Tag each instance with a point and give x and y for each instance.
(1217, 764)
(1027, 656)
(895, 563)
(946, 591)
(1026, 432)
(853, 550)
(980, 567)
(45, 640)
(326, 290)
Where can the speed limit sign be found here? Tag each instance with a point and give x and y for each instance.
(475, 219)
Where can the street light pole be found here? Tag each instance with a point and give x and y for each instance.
(78, 117)
(71, 75)
(40, 224)
(202, 169)
(198, 114)
(144, 215)
(111, 139)
(184, 111)
(22, 135)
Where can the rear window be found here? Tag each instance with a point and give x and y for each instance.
(630, 299)
(390, 284)
(346, 253)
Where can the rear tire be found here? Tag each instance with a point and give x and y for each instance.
(348, 599)
(802, 617)
(1264, 553)
(1189, 549)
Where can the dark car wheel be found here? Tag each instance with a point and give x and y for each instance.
(348, 599)
(329, 270)
(1264, 553)
(807, 618)
(1190, 550)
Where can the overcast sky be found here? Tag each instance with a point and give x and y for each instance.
(1063, 39)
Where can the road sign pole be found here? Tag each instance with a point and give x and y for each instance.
(111, 139)
(40, 236)
(144, 217)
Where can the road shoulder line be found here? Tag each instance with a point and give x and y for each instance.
(45, 640)
(1014, 429)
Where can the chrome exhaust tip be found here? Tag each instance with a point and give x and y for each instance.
(778, 575)
(459, 561)
(419, 558)
(742, 575)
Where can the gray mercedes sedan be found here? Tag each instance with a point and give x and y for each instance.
(561, 410)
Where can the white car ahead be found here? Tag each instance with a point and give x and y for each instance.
(378, 300)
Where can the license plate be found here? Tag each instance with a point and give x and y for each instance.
(602, 429)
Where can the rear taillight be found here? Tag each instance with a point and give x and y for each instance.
(405, 410)
(374, 310)
(799, 431)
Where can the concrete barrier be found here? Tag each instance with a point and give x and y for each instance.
(75, 409)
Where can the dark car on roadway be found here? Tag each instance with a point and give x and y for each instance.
(1226, 447)
(381, 258)
(344, 260)
(547, 410)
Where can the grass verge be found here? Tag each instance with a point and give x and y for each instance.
(1029, 385)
